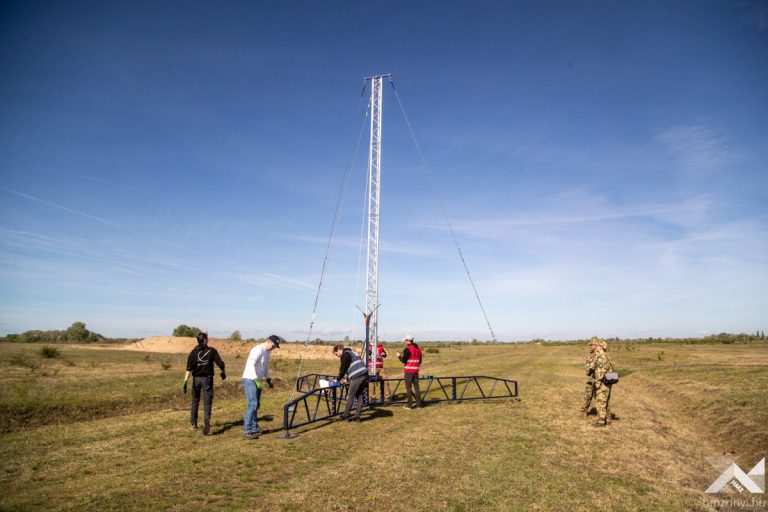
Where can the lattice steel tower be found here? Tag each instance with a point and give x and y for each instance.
(374, 195)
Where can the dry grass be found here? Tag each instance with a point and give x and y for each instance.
(537, 454)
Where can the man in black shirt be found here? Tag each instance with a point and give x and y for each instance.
(200, 365)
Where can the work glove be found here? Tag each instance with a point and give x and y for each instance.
(223, 375)
(185, 387)
(269, 383)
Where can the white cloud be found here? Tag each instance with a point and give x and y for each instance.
(697, 149)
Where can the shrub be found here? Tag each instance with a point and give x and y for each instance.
(165, 364)
(20, 360)
(49, 352)
(235, 336)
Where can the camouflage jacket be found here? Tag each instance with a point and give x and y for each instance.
(590, 361)
(602, 365)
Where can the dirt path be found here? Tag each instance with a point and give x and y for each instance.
(649, 442)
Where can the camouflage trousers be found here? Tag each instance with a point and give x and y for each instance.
(602, 397)
(589, 394)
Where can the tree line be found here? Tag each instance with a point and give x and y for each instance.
(78, 333)
(75, 333)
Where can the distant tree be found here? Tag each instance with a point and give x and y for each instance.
(346, 340)
(235, 336)
(77, 332)
(186, 331)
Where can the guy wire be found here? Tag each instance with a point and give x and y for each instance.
(435, 188)
(334, 225)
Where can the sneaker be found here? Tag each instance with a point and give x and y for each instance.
(206, 428)
(193, 427)
(359, 419)
(256, 431)
(250, 435)
(599, 424)
(407, 407)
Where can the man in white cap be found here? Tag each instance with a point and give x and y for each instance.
(411, 358)
(256, 372)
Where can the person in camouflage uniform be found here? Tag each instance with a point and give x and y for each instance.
(589, 388)
(602, 365)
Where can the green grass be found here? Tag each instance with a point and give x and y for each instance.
(128, 447)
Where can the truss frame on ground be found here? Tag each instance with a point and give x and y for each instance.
(318, 403)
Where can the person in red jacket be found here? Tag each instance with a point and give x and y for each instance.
(411, 359)
(373, 387)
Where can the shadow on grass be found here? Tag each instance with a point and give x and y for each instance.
(369, 414)
(239, 423)
(227, 426)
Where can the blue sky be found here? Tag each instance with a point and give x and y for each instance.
(603, 164)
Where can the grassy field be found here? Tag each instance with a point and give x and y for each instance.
(107, 430)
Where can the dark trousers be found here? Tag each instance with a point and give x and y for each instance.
(412, 380)
(356, 389)
(204, 386)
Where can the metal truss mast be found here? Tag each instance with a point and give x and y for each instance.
(374, 196)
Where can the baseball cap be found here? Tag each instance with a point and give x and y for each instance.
(408, 337)
(275, 339)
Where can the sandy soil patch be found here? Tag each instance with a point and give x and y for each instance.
(178, 345)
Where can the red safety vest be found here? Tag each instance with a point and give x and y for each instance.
(414, 359)
(379, 357)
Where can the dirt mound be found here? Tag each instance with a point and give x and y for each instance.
(179, 345)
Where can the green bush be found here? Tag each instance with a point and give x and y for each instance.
(186, 331)
(50, 352)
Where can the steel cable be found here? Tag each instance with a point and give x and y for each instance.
(436, 190)
(336, 216)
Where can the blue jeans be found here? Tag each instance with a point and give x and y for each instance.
(252, 396)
